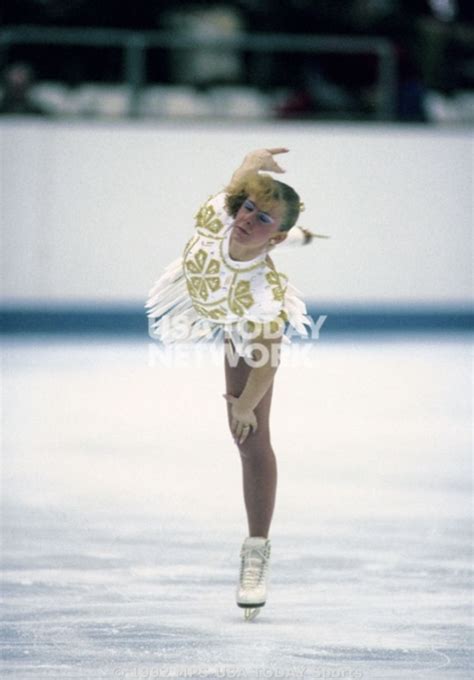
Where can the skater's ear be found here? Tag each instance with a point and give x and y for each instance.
(277, 238)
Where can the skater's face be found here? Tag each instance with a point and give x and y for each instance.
(257, 228)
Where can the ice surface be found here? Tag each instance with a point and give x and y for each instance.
(123, 514)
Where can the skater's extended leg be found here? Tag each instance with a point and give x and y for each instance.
(259, 467)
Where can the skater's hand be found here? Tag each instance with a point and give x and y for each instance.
(262, 159)
(243, 421)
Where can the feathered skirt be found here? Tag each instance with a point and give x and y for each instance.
(172, 317)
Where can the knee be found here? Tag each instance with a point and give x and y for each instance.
(255, 446)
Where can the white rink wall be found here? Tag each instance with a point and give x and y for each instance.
(91, 212)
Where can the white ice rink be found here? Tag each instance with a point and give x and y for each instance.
(123, 514)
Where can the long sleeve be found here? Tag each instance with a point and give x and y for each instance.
(296, 237)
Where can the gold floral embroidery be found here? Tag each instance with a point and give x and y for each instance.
(214, 314)
(278, 290)
(206, 219)
(241, 298)
(204, 275)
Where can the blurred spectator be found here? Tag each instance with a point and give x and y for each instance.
(349, 82)
(446, 45)
(16, 97)
(204, 66)
(433, 42)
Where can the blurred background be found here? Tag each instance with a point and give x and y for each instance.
(405, 60)
(120, 119)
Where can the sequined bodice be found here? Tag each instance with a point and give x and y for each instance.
(226, 290)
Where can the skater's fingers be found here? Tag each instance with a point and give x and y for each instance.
(244, 436)
(234, 426)
(238, 431)
(276, 168)
(278, 149)
(246, 430)
(242, 431)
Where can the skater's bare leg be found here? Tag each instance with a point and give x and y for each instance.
(259, 467)
(259, 470)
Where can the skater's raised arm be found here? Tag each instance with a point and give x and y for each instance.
(263, 159)
(260, 159)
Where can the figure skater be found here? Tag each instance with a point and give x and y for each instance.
(226, 286)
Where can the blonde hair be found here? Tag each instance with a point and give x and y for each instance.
(267, 192)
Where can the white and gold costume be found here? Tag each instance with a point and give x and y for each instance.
(205, 293)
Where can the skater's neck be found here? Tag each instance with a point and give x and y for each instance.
(241, 253)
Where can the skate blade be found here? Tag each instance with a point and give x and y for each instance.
(251, 613)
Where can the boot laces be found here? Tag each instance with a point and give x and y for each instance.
(253, 566)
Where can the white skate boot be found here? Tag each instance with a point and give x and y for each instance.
(254, 567)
